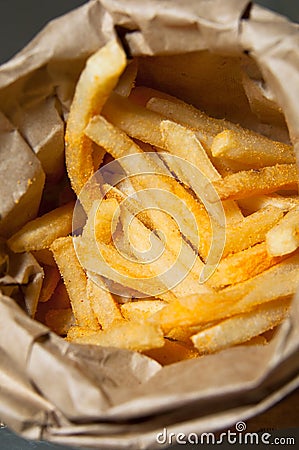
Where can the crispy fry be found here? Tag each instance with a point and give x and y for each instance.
(75, 281)
(140, 310)
(242, 265)
(119, 144)
(279, 281)
(284, 237)
(251, 148)
(133, 119)
(172, 352)
(251, 230)
(126, 81)
(129, 335)
(39, 233)
(252, 204)
(107, 261)
(50, 281)
(257, 181)
(183, 143)
(97, 80)
(103, 304)
(241, 328)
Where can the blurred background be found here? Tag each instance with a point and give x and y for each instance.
(20, 20)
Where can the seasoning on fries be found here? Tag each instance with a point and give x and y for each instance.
(131, 275)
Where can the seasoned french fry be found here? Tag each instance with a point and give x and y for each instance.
(50, 281)
(183, 143)
(252, 204)
(133, 119)
(39, 233)
(97, 80)
(251, 230)
(251, 148)
(60, 320)
(278, 281)
(257, 181)
(126, 81)
(171, 352)
(204, 127)
(284, 237)
(103, 304)
(118, 144)
(106, 216)
(241, 328)
(75, 281)
(242, 265)
(178, 111)
(129, 335)
(140, 310)
(114, 266)
(256, 340)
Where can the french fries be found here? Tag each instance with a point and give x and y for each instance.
(38, 234)
(186, 240)
(75, 281)
(253, 149)
(257, 181)
(241, 328)
(284, 237)
(100, 76)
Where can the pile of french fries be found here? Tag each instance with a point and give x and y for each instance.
(99, 287)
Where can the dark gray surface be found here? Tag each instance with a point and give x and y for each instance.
(20, 20)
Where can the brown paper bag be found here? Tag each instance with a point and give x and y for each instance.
(106, 397)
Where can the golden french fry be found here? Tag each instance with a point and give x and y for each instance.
(243, 265)
(75, 281)
(277, 282)
(251, 148)
(204, 127)
(241, 328)
(39, 233)
(183, 143)
(171, 352)
(133, 119)
(106, 260)
(284, 237)
(104, 306)
(140, 310)
(256, 340)
(106, 215)
(129, 335)
(50, 281)
(178, 111)
(60, 320)
(251, 230)
(97, 80)
(119, 144)
(257, 181)
(126, 81)
(252, 204)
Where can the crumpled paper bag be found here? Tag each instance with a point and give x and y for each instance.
(106, 397)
